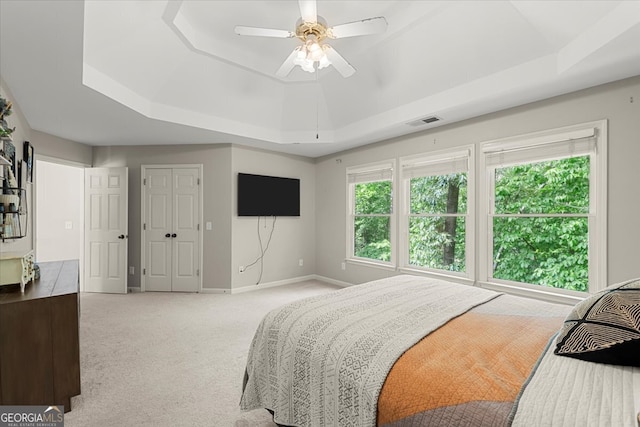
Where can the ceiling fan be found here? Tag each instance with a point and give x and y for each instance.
(312, 30)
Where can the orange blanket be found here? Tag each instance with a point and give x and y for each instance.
(468, 372)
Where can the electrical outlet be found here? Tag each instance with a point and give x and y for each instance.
(344, 265)
(241, 269)
(131, 270)
(300, 262)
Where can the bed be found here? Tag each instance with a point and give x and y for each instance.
(414, 351)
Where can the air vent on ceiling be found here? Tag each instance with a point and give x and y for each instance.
(424, 121)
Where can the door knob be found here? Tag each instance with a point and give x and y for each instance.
(167, 235)
(174, 235)
(121, 236)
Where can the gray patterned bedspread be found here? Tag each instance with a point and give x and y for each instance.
(322, 361)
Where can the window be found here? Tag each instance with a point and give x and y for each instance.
(371, 221)
(437, 229)
(545, 210)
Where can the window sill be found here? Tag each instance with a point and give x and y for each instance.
(436, 275)
(374, 264)
(544, 294)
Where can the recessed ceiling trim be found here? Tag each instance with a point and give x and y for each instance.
(198, 41)
(99, 81)
(617, 22)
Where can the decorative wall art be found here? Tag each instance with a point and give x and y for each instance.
(28, 158)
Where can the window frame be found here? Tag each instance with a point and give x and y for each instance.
(434, 161)
(386, 167)
(548, 144)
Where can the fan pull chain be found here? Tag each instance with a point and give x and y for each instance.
(317, 106)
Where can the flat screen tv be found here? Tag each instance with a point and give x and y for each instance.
(260, 195)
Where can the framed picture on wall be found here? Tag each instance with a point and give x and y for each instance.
(28, 158)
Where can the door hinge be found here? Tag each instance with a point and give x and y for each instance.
(198, 272)
(198, 227)
(198, 181)
(144, 226)
(144, 271)
(144, 181)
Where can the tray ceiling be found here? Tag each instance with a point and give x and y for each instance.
(172, 72)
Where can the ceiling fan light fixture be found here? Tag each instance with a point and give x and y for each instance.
(308, 66)
(324, 62)
(314, 51)
(300, 56)
(308, 54)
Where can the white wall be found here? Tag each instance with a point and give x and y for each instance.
(293, 237)
(60, 202)
(618, 102)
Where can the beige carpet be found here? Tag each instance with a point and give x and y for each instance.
(171, 359)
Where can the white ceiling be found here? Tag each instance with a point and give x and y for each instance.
(174, 72)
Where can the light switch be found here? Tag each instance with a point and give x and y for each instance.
(68, 225)
(208, 225)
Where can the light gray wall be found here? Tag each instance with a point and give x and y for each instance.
(22, 133)
(319, 235)
(618, 102)
(216, 182)
(293, 237)
(233, 240)
(60, 149)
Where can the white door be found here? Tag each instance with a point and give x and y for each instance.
(158, 229)
(172, 231)
(106, 230)
(186, 232)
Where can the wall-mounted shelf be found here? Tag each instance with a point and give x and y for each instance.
(13, 213)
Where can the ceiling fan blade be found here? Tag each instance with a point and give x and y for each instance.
(338, 61)
(308, 10)
(263, 32)
(359, 28)
(288, 64)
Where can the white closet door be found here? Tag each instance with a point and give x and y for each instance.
(106, 230)
(159, 229)
(185, 227)
(172, 231)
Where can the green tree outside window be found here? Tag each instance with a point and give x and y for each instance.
(540, 226)
(372, 220)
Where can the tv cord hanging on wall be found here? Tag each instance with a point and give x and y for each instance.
(263, 251)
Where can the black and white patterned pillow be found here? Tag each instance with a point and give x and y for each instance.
(605, 327)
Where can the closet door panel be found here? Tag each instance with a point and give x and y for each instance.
(186, 243)
(158, 222)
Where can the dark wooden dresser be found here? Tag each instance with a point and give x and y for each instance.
(39, 342)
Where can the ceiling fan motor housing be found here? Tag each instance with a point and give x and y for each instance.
(314, 30)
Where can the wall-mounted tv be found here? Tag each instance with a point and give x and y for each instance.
(260, 195)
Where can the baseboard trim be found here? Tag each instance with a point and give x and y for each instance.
(252, 288)
(332, 281)
(215, 291)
